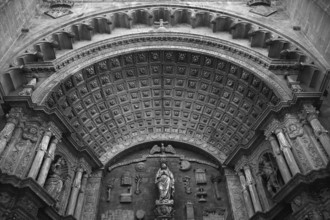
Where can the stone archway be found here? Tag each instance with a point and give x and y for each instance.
(146, 95)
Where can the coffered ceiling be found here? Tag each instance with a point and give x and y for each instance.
(155, 92)
(120, 77)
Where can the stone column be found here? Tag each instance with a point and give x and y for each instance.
(246, 194)
(40, 155)
(74, 192)
(286, 148)
(280, 159)
(265, 202)
(7, 131)
(320, 132)
(80, 201)
(47, 162)
(252, 188)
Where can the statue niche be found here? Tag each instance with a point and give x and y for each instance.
(55, 180)
(270, 174)
(165, 185)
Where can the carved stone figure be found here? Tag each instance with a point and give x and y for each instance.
(215, 180)
(165, 183)
(138, 180)
(109, 188)
(268, 170)
(5, 198)
(186, 183)
(162, 149)
(54, 183)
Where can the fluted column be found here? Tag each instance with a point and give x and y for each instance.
(286, 148)
(74, 192)
(280, 159)
(81, 196)
(320, 132)
(40, 155)
(246, 194)
(252, 188)
(7, 131)
(47, 162)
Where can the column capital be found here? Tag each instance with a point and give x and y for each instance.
(310, 111)
(243, 161)
(47, 133)
(240, 173)
(55, 141)
(85, 175)
(271, 127)
(85, 166)
(278, 130)
(270, 137)
(79, 168)
(55, 130)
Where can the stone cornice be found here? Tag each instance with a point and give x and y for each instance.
(172, 6)
(295, 186)
(300, 181)
(27, 183)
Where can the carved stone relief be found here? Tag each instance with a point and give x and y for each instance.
(215, 180)
(186, 184)
(138, 180)
(306, 150)
(118, 214)
(270, 174)
(200, 176)
(21, 149)
(92, 196)
(5, 198)
(214, 214)
(55, 181)
(236, 197)
(161, 205)
(109, 188)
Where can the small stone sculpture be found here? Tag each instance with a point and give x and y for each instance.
(138, 180)
(268, 172)
(54, 183)
(165, 183)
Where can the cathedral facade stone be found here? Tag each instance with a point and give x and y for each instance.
(124, 110)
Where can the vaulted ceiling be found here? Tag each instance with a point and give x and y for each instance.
(174, 92)
(117, 78)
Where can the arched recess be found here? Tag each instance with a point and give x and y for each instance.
(193, 171)
(223, 94)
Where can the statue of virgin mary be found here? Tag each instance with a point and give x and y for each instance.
(165, 183)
